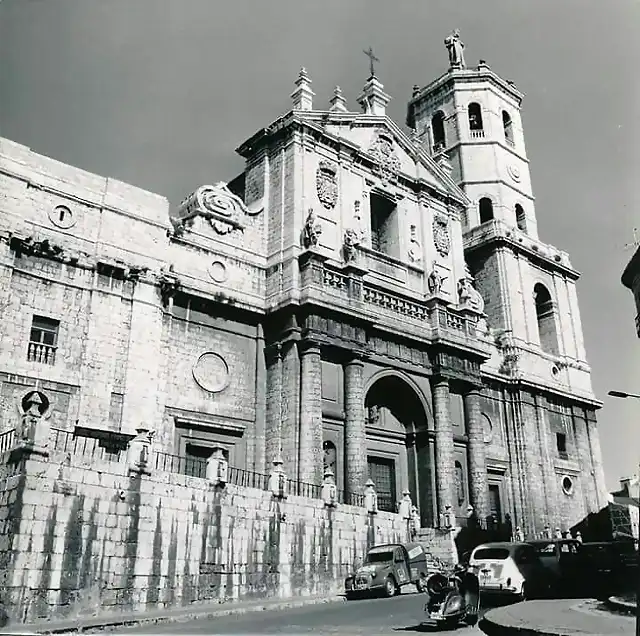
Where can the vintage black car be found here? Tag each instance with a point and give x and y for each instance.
(387, 568)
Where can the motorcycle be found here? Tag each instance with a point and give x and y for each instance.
(453, 599)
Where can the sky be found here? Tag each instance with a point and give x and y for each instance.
(159, 93)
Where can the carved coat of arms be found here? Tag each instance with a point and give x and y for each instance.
(382, 150)
(441, 235)
(327, 184)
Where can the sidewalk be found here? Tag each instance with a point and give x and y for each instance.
(172, 615)
(556, 618)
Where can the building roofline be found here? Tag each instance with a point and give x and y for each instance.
(631, 270)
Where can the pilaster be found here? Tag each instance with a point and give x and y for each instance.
(444, 444)
(141, 403)
(273, 409)
(477, 460)
(310, 449)
(355, 427)
(259, 435)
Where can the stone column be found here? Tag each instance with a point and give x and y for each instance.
(477, 463)
(273, 406)
(444, 444)
(355, 442)
(310, 457)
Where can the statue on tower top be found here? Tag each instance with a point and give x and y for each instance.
(455, 48)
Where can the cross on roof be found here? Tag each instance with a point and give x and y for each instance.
(372, 59)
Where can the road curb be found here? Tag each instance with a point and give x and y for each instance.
(92, 624)
(620, 604)
(493, 626)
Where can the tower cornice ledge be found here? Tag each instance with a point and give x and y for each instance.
(497, 232)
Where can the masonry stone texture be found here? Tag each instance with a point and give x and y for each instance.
(338, 305)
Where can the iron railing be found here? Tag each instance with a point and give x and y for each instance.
(192, 466)
(7, 440)
(96, 448)
(248, 478)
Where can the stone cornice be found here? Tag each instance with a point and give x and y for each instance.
(315, 122)
(498, 234)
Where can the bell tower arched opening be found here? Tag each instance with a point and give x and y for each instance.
(399, 452)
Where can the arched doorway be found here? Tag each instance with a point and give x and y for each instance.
(399, 449)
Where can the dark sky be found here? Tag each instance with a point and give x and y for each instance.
(158, 93)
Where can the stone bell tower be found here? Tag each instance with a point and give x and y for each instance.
(474, 116)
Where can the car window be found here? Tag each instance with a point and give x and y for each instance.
(399, 558)
(526, 554)
(491, 554)
(379, 557)
(565, 548)
(546, 548)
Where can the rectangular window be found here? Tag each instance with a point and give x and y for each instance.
(383, 473)
(561, 445)
(495, 506)
(383, 224)
(43, 341)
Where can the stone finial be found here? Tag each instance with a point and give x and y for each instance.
(373, 99)
(278, 478)
(404, 510)
(338, 102)
(370, 497)
(415, 90)
(329, 491)
(302, 96)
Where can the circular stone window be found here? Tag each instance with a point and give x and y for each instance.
(61, 216)
(218, 271)
(211, 372)
(567, 485)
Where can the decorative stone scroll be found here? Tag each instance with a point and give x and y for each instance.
(327, 184)
(383, 152)
(441, 235)
(219, 205)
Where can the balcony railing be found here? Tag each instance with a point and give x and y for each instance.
(477, 134)
(192, 466)
(80, 445)
(38, 352)
(7, 440)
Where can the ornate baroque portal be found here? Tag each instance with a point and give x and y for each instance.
(399, 445)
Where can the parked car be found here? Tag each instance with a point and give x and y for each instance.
(387, 568)
(563, 560)
(510, 569)
(608, 567)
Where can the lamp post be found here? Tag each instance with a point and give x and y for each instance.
(624, 395)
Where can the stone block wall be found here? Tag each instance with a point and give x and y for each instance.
(86, 533)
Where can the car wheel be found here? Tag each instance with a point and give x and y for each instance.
(389, 587)
(524, 592)
(471, 619)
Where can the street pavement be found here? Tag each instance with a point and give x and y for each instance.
(388, 616)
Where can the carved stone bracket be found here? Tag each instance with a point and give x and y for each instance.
(169, 284)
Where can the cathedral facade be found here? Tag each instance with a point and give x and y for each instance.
(360, 299)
